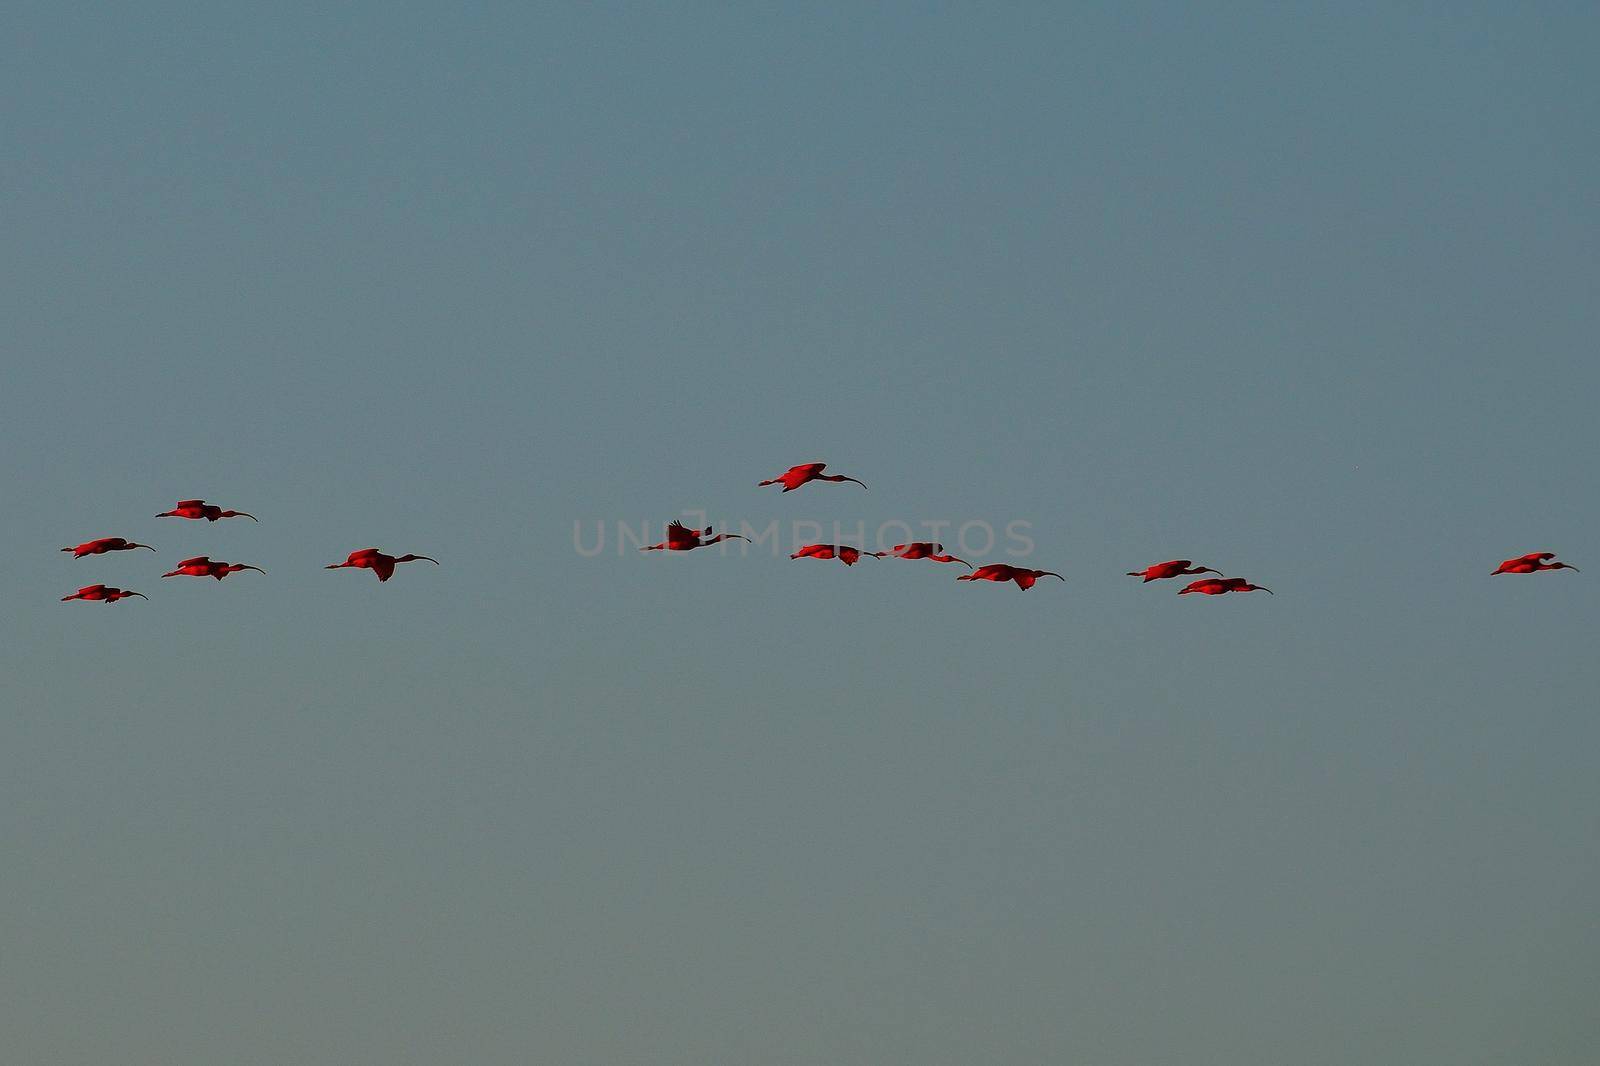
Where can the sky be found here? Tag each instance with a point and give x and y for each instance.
(1305, 292)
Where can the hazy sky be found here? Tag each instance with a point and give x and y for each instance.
(1306, 293)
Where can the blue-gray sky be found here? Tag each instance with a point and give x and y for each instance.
(1305, 292)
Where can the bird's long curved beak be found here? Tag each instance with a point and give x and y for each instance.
(141, 595)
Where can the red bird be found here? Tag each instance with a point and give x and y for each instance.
(796, 476)
(103, 545)
(921, 549)
(201, 566)
(201, 509)
(101, 592)
(680, 538)
(379, 563)
(842, 552)
(1171, 568)
(1001, 572)
(1527, 564)
(1213, 586)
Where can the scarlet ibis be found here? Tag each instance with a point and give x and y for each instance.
(921, 549)
(1171, 568)
(842, 552)
(680, 538)
(202, 566)
(796, 476)
(1215, 586)
(1001, 572)
(201, 509)
(1533, 561)
(103, 545)
(379, 563)
(101, 592)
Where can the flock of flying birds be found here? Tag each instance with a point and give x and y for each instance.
(204, 566)
(681, 538)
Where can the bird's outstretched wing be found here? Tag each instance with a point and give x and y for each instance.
(204, 559)
(190, 503)
(679, 531)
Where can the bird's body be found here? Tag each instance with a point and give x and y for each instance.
(680, 538)
(796, 476)
(921, 549)
(1532, 563)
(103, 545)
(842, 552)
(202, 566)
(1024, 577)
(1216, 586)
(1171, 568)
(379, 563)
(103, 593)
(197, 509)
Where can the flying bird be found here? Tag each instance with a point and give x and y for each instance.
(796, 476)
(1533, 561)
(1171, 568)
(680, 538)
(103, 545)
(1002, 572)
(1214, 586)
(198, 509)
(921, 549)
(102, 593)
(379, 563)
(202, 566)
(842, 552)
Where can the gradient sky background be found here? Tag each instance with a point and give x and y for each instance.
(1305, 292)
